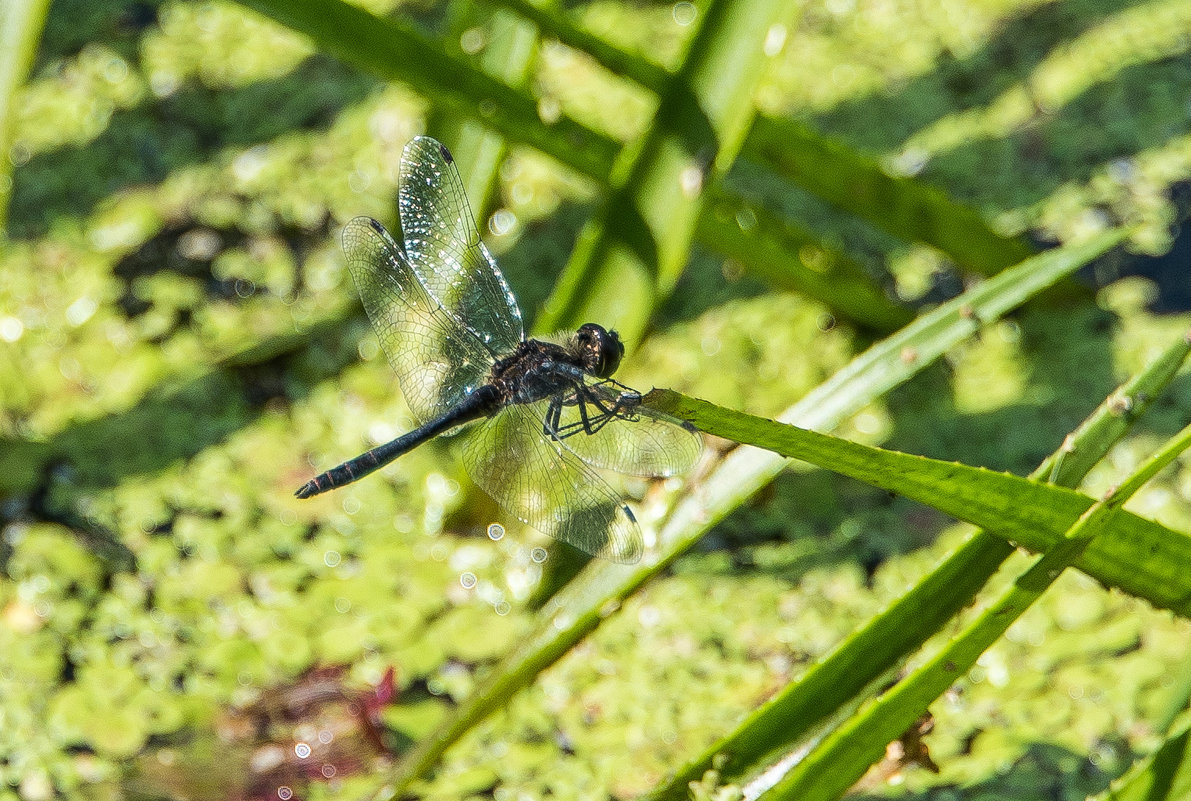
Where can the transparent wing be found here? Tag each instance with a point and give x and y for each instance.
(607, 428)
(547, 486)
(445, 250)
(437, 360)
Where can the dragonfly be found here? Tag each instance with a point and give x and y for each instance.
(537, 419)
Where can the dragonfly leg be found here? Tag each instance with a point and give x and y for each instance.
(626, 400)
(587, 423)
(553, 426)
(553, 418)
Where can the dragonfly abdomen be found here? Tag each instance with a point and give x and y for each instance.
(484, 401)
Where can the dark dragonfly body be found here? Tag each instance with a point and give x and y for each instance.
(536, 370)
(536, 415)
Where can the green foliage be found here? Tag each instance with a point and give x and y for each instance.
(182, 347)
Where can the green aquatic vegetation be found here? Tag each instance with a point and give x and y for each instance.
(181, 347)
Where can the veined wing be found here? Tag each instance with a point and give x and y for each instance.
(547, 486)
(444, 248)
(436, 359)
(624, 436)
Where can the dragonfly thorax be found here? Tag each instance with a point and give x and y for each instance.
(536, 370)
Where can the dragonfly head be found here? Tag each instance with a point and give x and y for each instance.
(599, 350)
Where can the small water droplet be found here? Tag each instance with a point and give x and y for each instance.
(502, 222)
(690, 181)
(775, 37)
(80, 311)
(473, 40)
(11, 329)
(684, 13)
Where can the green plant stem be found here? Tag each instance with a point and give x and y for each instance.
(833, 766)
(1028, 512)
(382, 47)
(21, 23)
(830, 169)
(866, 658)
(634, 247)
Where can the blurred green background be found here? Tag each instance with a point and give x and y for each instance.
(183, 347)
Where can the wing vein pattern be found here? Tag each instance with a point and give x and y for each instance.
(547, 486)
(444, 248)
(438, 361)
(445, 314)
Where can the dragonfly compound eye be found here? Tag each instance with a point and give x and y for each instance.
(601, 350)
